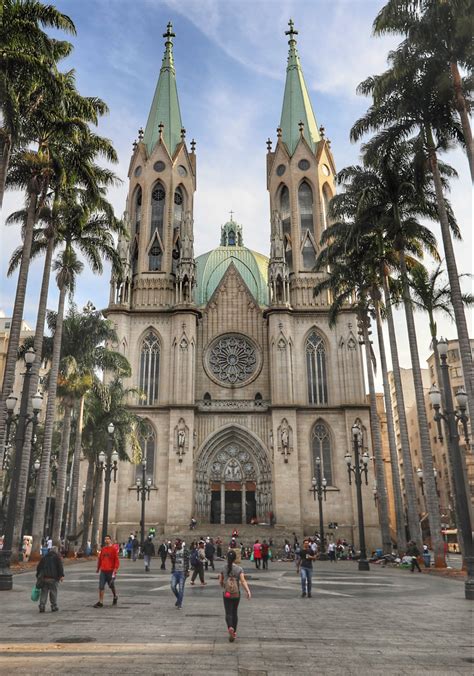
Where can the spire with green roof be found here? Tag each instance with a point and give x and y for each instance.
(297, 106)
(165, 106)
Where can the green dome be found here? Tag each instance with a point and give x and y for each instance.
(212, 266)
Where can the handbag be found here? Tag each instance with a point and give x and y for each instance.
(251, 556)
(35, 594)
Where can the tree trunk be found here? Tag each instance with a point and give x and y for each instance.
(5, 150)
(377, 444)
(72, 526)
(17, 317)
(451, 266)
(34, 386)
(431, 494)
(410, 490)
(88, 500)
(392, 442)
(44, 473)
(62, 475)
(460, 102)
(95, 539)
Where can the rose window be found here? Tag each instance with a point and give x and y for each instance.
(232, 359)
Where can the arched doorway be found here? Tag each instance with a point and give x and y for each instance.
(233, 478)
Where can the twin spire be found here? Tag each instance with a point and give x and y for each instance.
(297, 115)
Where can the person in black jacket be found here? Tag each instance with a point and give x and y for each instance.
(148, 550)
(163, 553)
(209, 550)
(414, 552)
(49, 572)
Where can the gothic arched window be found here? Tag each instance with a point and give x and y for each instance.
(321, 448)
(316, 369)
(326, 199)
(137, 210)
(157, 209)
(149, 369)
(147, 441)
(286, 223)
(135, 259)
(305, 204)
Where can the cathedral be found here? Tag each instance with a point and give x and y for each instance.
(243, 384)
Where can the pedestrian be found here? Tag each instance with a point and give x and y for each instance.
(148, 550)
(179, 556)
(163, 553)
(49, 572)
(135, 548)
(230, 579)
(107, 566)
(129, 547)
(332, 552)
(209, 550)
(49, 542)
(265, 555)
(219, 548)
(198, 556)
(306, 569)
(287, 550)
(257, 553)
(414, 552)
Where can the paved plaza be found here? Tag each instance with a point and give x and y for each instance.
(383, 621)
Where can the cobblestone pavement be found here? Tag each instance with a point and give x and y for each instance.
(377, 622)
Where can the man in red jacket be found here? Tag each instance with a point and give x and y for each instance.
(107, 565)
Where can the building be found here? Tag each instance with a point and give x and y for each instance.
(243, 381)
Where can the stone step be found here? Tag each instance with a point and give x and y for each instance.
(246, 534)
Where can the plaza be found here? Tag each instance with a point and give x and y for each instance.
(383, 621)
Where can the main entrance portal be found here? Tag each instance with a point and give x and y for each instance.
(233, 479)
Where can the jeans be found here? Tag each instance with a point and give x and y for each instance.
(146, 561)
(231, 606)
(265, 562)
(178, 579)
(134, 554)
(50, 587)
(163, 559)
(306, 576)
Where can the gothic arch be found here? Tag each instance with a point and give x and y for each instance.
(147, 437)
(149, 358)
(233, 455)
(322, 446)
(317, 366)
(326, 196)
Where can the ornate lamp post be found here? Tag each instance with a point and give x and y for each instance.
(318, 488)
(143, 491)
(22, 421)
(451, 418)
(359, 468)
(108, 463)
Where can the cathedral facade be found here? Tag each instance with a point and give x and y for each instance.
(243, 384)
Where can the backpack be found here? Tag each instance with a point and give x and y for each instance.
(194, 560)
(231, 587)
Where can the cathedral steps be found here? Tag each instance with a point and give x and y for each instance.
(246, 534)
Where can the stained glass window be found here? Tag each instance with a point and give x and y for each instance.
(316, 370)
(321, 448)
(149, 369)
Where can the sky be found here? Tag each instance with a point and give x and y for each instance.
(230, 59)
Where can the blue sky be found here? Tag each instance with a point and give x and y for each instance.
(230, 59)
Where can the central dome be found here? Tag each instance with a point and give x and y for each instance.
(212, 266)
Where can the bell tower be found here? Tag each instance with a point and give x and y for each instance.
(300, 180)
(159, 256)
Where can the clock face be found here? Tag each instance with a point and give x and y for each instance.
(325, 169)
(182, 171)
(159, 166)
(280, 170)
(138, 171)
(303, 165)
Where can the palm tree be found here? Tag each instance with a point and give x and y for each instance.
(440, 32)
(102, 408)
(349, 283)
(28, 67)
(410, 100)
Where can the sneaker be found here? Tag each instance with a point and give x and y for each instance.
(203, 584)
(309, 595)
(55, 609)
(98, 605)
(231, 634)
(303, 595)
(41, 610)
(176, 605)
(179, 607)
(192, 584)
(114, 602)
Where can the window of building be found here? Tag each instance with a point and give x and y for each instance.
(137, 210)
(305, 204)
(147, 441)
(316, 369)
(309, 255)
(155, 256)
(321, 448)
(453, 355)
(326, 199)
(286, 223)
(149, 369)
(157, 209)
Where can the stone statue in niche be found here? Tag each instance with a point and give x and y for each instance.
(181, 439)
(285, 439)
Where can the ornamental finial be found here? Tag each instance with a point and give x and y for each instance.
(292, 32)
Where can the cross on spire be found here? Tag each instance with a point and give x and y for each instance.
(231, 215)
(169, 32)
(292, 32)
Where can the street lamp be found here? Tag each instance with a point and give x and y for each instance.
(318, 488)
(143, 492)
(359, 468)
(108, 463)
(451, 418)
(22, 421)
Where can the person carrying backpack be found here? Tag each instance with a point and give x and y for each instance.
(230, 579)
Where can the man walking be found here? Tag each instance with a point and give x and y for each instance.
(265, 555)
(162, 553)
(135, 547)
(414, 552)
(306, 569)
(197, 561)
(179, 571)
(107, 565)
(148, 551)
(209, 550)
(49, 572)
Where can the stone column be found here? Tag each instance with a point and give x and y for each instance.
(244, 506)
(222, 501)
